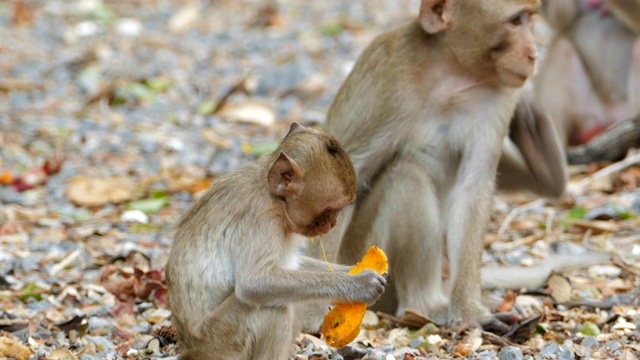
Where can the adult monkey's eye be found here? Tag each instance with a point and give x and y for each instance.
(520, 19)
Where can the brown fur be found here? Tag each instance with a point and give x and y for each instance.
(235, 273)
(423, 116)
(590, 78)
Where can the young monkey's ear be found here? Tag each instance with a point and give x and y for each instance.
(285, 177)
(435, 15)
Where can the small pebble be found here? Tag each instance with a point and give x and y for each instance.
(135, 216)
(590, 342)
(129, 27)
(102, 342)
(487, 355)
(511, 353)
(415, 342)
(99, 323)
(566, 355)
(613, 345)
(550, 351)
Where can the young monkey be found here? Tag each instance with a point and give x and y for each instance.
(235, 272)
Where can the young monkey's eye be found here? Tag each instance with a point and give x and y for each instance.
(520, 19)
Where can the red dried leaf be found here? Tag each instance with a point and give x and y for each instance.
(122, 349)
(508, 302)
(107, 271)
(52, 166)
(121, 334)
(160, 298)
(123, 290)
(22, 14)
(122, 308)
(144, 289)
(157, 275)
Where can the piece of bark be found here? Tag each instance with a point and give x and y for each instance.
(610, 145)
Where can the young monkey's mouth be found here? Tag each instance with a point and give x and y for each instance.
(311, 230)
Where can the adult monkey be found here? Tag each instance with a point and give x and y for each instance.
(591, 76)
(423, 116)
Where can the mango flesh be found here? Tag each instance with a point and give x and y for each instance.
(342, 324)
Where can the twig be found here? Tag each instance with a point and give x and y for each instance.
(402, 322)
(591, 304)
(516, 211)
(497, 339)
(577, 188)
(610, 145)
(617, 261)
(243, 85)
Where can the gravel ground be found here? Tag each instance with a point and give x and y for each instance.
(114, 115)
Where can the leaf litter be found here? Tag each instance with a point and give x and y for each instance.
(115, 116)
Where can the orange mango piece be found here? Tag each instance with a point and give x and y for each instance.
(342, 324)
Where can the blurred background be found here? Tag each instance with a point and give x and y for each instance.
(140, 87)
(115, 115)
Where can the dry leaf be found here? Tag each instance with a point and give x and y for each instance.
(627, 355)
(603, 184)
(249, 112)
(508, 302)
(12, 349)
(598, 226)
(215, 139)
(99, 191)
(61, 354)
(342, 324)
(413, 319)
(560, 288)
(186, 18)
(22, 14)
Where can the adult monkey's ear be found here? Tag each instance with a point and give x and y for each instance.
(435, 15)
(293, 127)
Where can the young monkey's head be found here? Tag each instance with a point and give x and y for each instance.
(313, 176)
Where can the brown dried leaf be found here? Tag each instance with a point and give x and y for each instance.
(122, 309)
(560, 288)
(603, 184)
(627, 355)
(61, 354)
(414, 320)
(269, 16)
(508, 301)
(160, 298)
(249, 112)
(598, 226)
(107, 271)
(11, 348)
(99, 191)
(629, 179)
(22, 14)
(185, 18)
(215, 139)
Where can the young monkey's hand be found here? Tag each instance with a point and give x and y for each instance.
(369, 286)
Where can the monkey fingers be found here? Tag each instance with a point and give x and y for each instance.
(342, 323)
